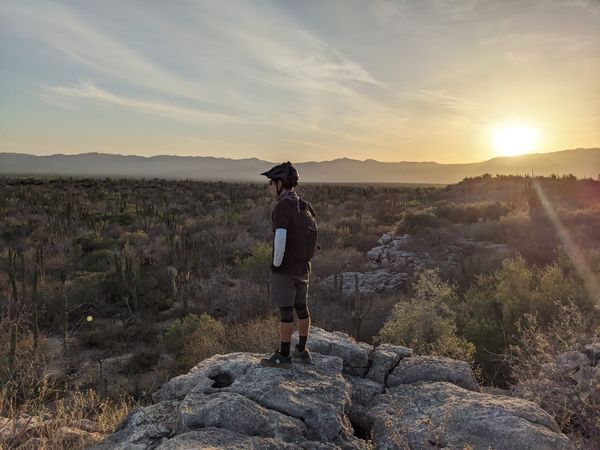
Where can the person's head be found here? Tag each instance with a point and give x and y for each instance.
(281, 177)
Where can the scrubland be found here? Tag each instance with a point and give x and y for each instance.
(109, 287)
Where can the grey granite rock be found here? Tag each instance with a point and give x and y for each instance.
(433, 368)
(363, 392)
(219, 438)
(355, 355)
(350, 393)
(385, 358)
(143, 427)
(235, 412)
(443, 415)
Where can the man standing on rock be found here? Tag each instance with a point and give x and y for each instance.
(294, 243)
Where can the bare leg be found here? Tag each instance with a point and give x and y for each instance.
(303, 326)
(285, 331)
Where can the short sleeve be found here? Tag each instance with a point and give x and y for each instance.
(281, 216)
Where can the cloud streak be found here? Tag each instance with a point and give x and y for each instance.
(87, 90)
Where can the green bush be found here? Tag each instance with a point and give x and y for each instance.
(135, 238)
(414, 220)
(493, 305)
(472, 212)
(193, 339)
(427, 323)
(256, 266)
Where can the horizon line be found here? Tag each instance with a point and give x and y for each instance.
(297, 162)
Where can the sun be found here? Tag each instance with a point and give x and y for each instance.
(512, 140)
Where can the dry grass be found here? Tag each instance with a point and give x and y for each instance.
(543, 374)
(38, 413)
(75, 421)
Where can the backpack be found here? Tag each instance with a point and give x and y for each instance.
(308, 230)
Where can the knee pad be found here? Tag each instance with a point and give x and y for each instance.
(286, 313)
(301, 311)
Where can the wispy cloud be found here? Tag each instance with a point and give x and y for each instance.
(442, 102)
(533, 42)
(87, 90)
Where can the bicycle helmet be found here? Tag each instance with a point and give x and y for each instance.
(286, 172)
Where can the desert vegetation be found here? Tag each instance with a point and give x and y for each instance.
(109, 287)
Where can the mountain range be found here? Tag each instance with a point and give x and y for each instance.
(581, 162)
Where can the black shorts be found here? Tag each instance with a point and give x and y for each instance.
(289, 290)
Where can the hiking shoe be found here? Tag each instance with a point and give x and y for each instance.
(277, 360)
(304, 356)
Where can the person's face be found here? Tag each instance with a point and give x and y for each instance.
(274, 186)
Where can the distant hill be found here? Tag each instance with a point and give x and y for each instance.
(580, 162)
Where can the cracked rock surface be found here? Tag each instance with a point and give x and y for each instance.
(352, 396)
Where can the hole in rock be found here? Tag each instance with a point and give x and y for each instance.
(361, 431)
(222, 379)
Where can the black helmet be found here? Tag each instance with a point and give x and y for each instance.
(285, 172)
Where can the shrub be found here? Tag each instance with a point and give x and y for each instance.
(326, 262)
(426, 323)
(493, 305)
(98, 261)
(92, 242)
(472, 212)
(194, 338)
(551, 369)
(255, 266)
(135, 238)
(259, 335)
(415, 220)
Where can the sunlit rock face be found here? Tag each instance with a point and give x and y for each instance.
(353, 396)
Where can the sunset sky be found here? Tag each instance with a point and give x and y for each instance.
(392, 80)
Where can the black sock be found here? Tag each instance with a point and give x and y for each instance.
(285, 349)
(302, 343)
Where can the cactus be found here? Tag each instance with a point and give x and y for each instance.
(23, 276)
(12, 353)
(183, 254)
(356, 298)
(39, 261)
(169, 220)
(122, 203)
(65, 324)
(126, 271)
(35, 323)
(12, 310)
(357, 311)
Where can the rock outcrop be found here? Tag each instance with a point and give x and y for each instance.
(391, 268)
(353, 396)
(395, 261)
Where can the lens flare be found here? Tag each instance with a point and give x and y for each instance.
(590, 280)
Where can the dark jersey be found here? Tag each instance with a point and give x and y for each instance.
(286, 215)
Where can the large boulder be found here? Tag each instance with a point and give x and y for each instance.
(433, 368)
(355, 355)
(444, 415)
(352, 396)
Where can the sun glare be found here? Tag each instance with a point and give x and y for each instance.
(512, 140)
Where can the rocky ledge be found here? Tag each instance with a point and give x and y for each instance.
(353, 396)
